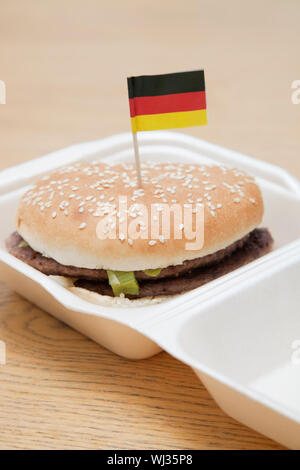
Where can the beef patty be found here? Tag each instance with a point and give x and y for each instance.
(172, 280)
(258, 243)
(15, 245)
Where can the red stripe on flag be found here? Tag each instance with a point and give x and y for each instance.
(172, 103)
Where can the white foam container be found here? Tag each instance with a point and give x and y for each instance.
(237, 332)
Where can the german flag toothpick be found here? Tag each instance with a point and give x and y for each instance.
(166, 101)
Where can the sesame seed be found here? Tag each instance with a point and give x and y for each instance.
(54, 214)
(152, 242)
(63, 205)
(237, 199)
(82, 226)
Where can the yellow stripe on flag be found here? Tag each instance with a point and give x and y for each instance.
(152, 122)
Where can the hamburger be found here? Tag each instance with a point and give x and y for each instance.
(71, 224)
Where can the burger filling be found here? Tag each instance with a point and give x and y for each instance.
(151, 282)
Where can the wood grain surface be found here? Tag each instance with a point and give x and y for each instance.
(64, 63)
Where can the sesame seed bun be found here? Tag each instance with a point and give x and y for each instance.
(58, 217)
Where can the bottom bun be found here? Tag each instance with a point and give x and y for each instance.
(108, 301)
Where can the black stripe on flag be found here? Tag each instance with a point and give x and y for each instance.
(156, 85)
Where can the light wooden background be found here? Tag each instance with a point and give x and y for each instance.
(65, 64)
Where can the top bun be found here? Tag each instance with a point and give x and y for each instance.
(58, 217)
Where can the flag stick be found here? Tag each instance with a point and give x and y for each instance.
(137, 159)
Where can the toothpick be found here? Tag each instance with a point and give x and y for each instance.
(137, 159)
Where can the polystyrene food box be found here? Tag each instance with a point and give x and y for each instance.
(239, 333)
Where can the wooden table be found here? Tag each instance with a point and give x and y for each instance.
(65, 64)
